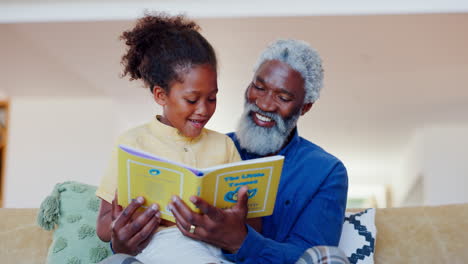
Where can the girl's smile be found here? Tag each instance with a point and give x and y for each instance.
(189, 104)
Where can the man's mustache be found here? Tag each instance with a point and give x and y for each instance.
(274, 116)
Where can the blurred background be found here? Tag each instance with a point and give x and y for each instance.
(394, 107)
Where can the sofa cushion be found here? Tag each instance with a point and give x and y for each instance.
(21, 241)
(425, 234)
(72, 210)
(358, 236)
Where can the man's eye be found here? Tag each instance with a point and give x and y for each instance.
(212, 99)
(285, 99)
(258, 87)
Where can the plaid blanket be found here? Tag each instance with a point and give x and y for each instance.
(323, 255)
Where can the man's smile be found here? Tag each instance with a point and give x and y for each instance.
(261, 120)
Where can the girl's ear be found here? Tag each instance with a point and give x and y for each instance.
(160, 95)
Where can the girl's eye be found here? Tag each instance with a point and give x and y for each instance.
(212, 99)
(191, 101)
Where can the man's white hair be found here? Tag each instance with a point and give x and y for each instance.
(301, 57)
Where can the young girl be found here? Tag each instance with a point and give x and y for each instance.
(178, 65)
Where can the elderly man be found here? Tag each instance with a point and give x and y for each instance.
(311, 199)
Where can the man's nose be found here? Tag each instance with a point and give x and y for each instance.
(266, 103)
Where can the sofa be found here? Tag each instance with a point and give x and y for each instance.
(436, 234)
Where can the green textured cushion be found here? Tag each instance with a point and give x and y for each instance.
(72, 210)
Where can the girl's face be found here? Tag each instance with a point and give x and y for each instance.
(189, 104)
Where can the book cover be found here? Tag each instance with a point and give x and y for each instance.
(157, 179)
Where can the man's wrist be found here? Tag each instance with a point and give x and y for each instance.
(232, 250)
(234, 247)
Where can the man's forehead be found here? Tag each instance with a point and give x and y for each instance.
(279, 74)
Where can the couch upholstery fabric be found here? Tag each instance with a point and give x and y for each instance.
(404, 235)
(22, 241)
(422, 234)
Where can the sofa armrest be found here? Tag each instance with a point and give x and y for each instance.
(21, 239)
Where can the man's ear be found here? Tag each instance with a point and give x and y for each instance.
(160, 95)
(306, 108)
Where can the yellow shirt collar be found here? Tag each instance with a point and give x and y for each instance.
(159, 128)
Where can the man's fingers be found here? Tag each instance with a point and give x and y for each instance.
(182, 223)
(242, 199)
(136, 224)
(145, 243)
(151, 224)
(212, 212)
(183, 213)
(127, 213)
(242, 196)
(184, 230)
(116, 208)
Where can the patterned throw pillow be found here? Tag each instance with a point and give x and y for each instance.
(358, 237)
(72, 210)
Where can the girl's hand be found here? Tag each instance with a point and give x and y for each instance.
(131, 231)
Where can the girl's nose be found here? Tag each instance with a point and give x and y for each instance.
(202, 109)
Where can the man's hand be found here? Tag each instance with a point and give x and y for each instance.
(131, 231)
(222, 228)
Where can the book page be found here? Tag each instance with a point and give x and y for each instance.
(220, 187)
(146, 155)
(155, 180)
(242, 162)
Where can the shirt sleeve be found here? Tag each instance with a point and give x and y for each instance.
(108, 186)
(319, 223)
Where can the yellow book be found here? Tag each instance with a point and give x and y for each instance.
(157, 179)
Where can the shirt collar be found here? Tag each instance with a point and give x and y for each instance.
(294, 140)
(159, 128)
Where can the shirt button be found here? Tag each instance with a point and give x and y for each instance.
(185, 149)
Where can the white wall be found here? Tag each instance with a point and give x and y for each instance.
(446, 165)
(55, 139)
(410, 169)
(439, 155)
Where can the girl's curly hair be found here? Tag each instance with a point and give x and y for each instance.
(160, 47)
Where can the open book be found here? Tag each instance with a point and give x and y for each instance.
(157, 179)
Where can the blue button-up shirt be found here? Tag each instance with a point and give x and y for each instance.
(309, 208)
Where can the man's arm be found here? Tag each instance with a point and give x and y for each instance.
(319, 223)
(104, 221)
(128, 230)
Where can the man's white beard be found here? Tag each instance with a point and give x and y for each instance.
(264, 140)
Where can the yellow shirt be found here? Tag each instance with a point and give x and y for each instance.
(210, 148)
